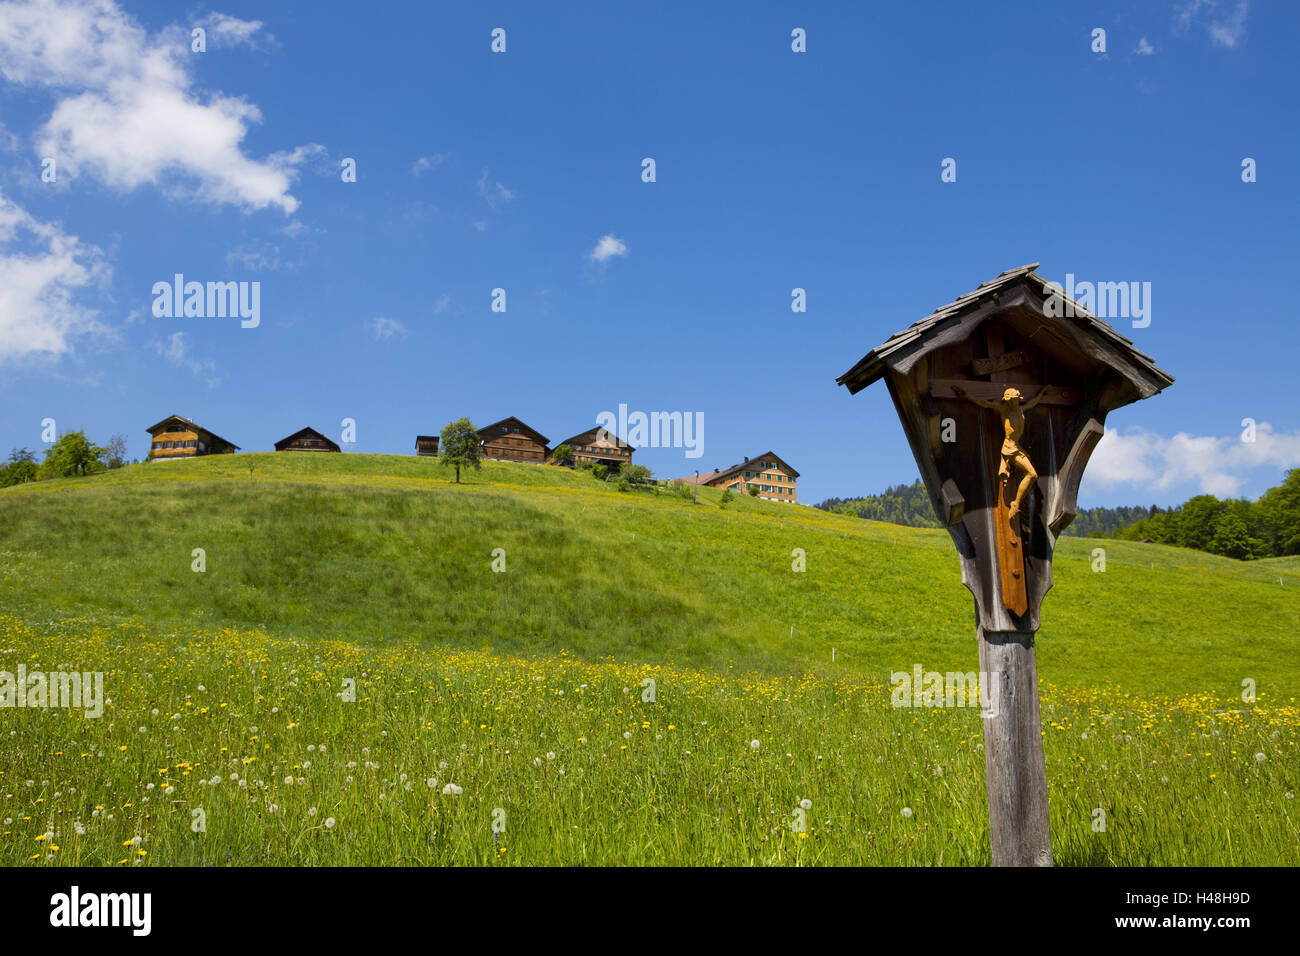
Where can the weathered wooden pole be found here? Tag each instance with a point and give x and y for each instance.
(1019, 828)
(1005, 485)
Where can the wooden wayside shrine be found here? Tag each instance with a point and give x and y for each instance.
(1003, 394)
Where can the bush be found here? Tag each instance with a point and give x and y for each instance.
(598, 471)
(623, 484)
(637, 474)
(727, 497)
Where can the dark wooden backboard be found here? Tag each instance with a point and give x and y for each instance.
(957, 445)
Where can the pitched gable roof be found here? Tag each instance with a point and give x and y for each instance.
(747, 463)
(507, 425)
(1080, 331)
(305, 433)
(584, 438)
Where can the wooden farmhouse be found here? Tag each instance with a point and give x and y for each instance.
(427, 445)
(177, 437)
(306, 439)
(774, 479)
(600, 447)
(512, 440)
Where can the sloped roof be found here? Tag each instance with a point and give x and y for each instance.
(194, 427)
(581, 437)
(496, 432)
(901, 348)
(747, 463)
(305, 433)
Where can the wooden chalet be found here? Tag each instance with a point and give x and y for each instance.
(512, 440)
(178, 437)
(306, 439)
(599, 446)
(427, 445)
(774, 479)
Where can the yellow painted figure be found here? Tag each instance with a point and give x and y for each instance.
(1012, 414)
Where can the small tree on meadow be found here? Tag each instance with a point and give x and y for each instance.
(115, 452)
(563, 455)
(72, 454)
(459, 446)
(727, 497)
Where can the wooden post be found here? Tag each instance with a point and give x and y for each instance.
(1013, 751)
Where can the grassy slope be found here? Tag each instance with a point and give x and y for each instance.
(376, 548)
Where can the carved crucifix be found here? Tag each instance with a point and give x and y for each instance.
(1011, 561)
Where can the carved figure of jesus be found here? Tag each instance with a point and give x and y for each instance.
(1012, 414)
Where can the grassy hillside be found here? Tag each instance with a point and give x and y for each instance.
(378, 548)
(349, 682)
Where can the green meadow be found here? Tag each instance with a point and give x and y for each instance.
(229, 686)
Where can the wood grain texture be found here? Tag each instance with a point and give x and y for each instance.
(1019, 827)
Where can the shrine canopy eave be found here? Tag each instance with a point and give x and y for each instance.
(1040, 311)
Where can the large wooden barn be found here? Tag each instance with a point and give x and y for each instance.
(512, 440)
(600, 447)
(306, 439)
(178, 437)
(774, 479)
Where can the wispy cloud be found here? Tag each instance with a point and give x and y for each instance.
(257, 257)
(383, 328)
(1144, 47)
(175, 351)
(607, 248)
(441, 303)
(493, 191)
(128, 112)
(426, 163)
(43, 270)
(1224, 21)
(224, 30)
(1212, 465)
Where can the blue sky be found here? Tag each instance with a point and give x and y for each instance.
(522, 171)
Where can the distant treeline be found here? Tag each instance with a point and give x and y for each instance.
(1233, 528)
(910, 505)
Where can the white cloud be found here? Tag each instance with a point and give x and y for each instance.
(42, 271)
(607, 248)
(1144, 47)
(383, 328)
(128, 112)
(176, 352)
(257, 257)
(1225, 22)
(494, 192)
(426, 163)
(224, 30)
(442, 302)
(1213, 465)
